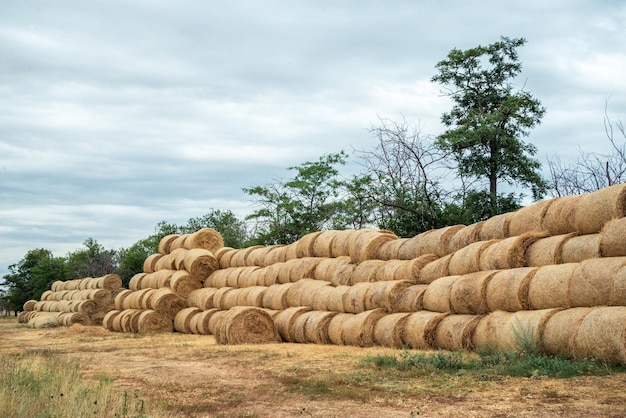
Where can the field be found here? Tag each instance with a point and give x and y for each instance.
(180, 375)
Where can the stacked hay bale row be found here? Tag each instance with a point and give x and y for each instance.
(84, 301)
(156, 295)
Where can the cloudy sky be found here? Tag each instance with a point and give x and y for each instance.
(115, 115)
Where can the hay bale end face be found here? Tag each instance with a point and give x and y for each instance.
(247, 325)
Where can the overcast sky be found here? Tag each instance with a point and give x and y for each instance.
(115, 115)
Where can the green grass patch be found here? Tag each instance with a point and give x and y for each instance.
(41, 385)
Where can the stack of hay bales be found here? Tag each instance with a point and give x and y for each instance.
(156, 295)
(553, 273)
(82, 301)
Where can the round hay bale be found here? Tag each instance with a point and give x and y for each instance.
(149, 264)
(508, 253)
(256, 255)
(580, 248)
(465, 236)
(303, 268)
(341, 243)
(618, 297)
(182, 283)
(316, 326)
(43, 321)
(546, 251)
(284, 273)
(107, 321)
(336, 327)
(388, 330)
(602, 335)
(341, 273)
(496, 227)
(302, 287)
(387, 270)
(215, 322)
(29, 305)
(202, 298)
(390, 250)
(251, 296)
(323, 243)
(229, 298)
(165, 243)
(413, 247)
(206, 238)
(454, 332)
(595, 209)
(612, 242)
(272, 272)
(508, 289)
(200, 263)
(559, 216)
(129, 320)
(529, 218)
(285, 319)
(384, 294)
(434, 270)
(23, 317)
(56, 285)
(410, 269)
(102, 297)
(150, 321)
(335, 298)
(297, 330)
(560, 329)
(437, 295)
(87, 307)
(275, 297)
(108, 281)
(67, 319)
(182, 320)
(232, 280)
(467, 259)
(200, 322)
(358, 330)
(247, 325)
(135, 281)
(366, 243)
(410, 299)
(47, 295)
(246, 277)
(219, 278)
(118, 302)
(278, 254)
(419, 329)
(166, 302)
(468, 294)
(225, 257)
(178, 242)
(319, 300)
(366, 271)
(304, 246)
(549, 286)
(354, 297)
(592, 283)
(218, 296)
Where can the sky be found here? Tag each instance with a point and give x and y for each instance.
(116, 115)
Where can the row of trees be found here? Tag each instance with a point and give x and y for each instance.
(409, 182)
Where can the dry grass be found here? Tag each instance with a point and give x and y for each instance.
(181, 375)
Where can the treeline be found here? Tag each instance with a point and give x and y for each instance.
(409, 182)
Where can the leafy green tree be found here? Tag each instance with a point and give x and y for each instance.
(93, 261)
(489, 119)
(306, 203)
(131, 259)
(32, 276)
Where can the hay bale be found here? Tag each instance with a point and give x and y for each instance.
(410, 299)
(358, 330)
(468, 294)
(247, 325)
(454, 332)
(508, 253)
(435, 241)
(388, 330)
(496, 227)
(580, 248)
(247, 277)
(285, 319)
(29, 305)
(219, 278)
(384, 294)
(165, 243)
(110, 282)
(118, 302)
(67, 319)
(272, 273)
(434, 270)
(275, 297)
(560, 330)
(215, 321)
(303, 268)
(467, 259)
(549, 286)
(529, 218)
(595, 209)
(182, 320)
(508, 289)
(129, 320)
(341, 243)
(47, 295)
(341, 273)
(284, 273)
(546, 251)
(107, 321)
(149, 264)
(251, 296)
(354, 298)
(559, 216)
(336, 327)
(302, 287)
(390, 250)
(304, 246)
(256, 255)
(206, 238)
(366, 243)
(437, 295)
(592, 283)
(150, 321)
(200, 263)
(387, 271)
(316, 326)
(602, 335)
(366, 271)
(612, 242)
(219, 296)
(410, 269)
(465, 236)
(135, 281)
(202, 298)
(166, 302)
(319, 300)
(419, 329)
(182, 283)
(229, 299)
(334, 301)
(323, 243)
(224, 257)
(327, 268)
(200, 322)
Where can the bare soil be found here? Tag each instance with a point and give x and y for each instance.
(178, 375)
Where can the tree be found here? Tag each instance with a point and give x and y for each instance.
(131, 259)
(94, 261)
(32, 276)
(306, 203)
(488, 119)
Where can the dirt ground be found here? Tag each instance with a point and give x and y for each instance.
(179, 375)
